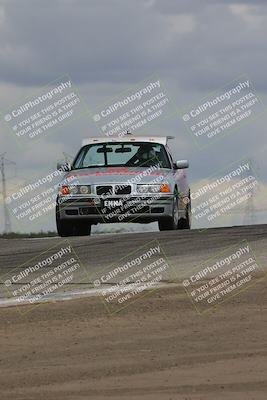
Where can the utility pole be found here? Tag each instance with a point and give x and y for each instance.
(3, 162)
(249, 216)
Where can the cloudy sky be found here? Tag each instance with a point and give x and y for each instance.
(107, 46)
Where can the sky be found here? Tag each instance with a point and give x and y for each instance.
(108, 46)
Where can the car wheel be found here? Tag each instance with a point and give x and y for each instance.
(185, 223)
(64, 228)
(82, 229)
(171, 223)
(69, 228)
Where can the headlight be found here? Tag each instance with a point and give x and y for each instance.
(163, 188)
(84, 189)
(142, 188)
(75, 189)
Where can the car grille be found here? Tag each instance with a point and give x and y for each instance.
(123, 189)
(104, 190)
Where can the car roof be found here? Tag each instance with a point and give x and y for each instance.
(129, 138)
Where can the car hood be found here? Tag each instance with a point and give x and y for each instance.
(92, 176)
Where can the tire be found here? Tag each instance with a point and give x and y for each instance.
(185, 223)
(64, 228)
(68, 228)
(82, 229)
(166, 224)
(171, 223)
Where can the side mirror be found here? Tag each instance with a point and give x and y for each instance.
(64, 166)
(181, 164)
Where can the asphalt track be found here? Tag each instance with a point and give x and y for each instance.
(184, 250)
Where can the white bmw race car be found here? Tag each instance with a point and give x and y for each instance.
(129, 179)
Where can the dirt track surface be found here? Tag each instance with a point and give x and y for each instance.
(159, 348)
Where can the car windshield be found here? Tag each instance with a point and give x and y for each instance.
(122, 154)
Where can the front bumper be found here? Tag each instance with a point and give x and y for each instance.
(145, 208)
